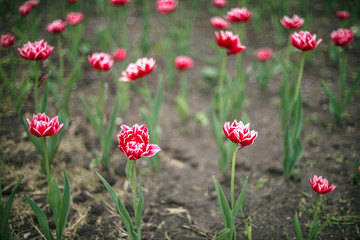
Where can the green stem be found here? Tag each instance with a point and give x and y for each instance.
(183, 86)
(47, 164)
(342, 84)
(123, 27)
(147, 94)
(233, 178)
(36, 73)
(133, 184)
(221, 83)
(101, 90)
(316, 206)
(298, 83)
(61, 62)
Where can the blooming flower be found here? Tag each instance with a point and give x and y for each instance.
(238, 15)
(219, 3)
(342, 37)
(142, 67)
(183, 62)
(166, 6)
(33, 3)
(304, 40)
(119, 2)
(7, 40)
(134, 142)
(219, 23)
(42, 126)
(229, 41)
(101, 61)
(39, 50)
(24, 9)
(263, 54)
(342, 15)
(119, 54)
(237, 132)
(292, 23)
(74, 18)
(56, 26)
(321, 185)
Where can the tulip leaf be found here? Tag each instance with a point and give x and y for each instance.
(90, 116)
(24, 89)
(298, 232)
(112, 124)
(333, 103)
(16, 237)
(139, 210)
(64, 208)
(240, 200)
(224, 205)
(225, 234)
(351, 91)
(54, 198)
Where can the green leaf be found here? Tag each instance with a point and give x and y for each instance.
(15, 237)
(225, 234)
(41, 217)
(24, 89)
(298, 232)
(240, 200)
(333, 102)
(351, 91)
(54, 198)
(224, 205)
(139, 210)
(288, 152)
(112, 124)
(64, 208)
(90, 116)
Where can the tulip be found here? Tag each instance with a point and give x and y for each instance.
(342, 15)
(140, 68)
(134, 142)
(237, 132)
(304, 40)
(119, 54)
(342, 37)
(118, 2)
(56, 26)
(42, 126)
(101, 61)
(39, 50)
(263, 54)
(229, 41)
(238, 15)
(166, 6)
(183, 62)
(33, 3)
(321, 185)
(24, 9)
(219, 23)
(7, 40)
(292, 23)
(74, 18)
(219, 3)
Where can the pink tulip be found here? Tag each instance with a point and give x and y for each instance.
(24, 9)
(7, 40)
(134, 142)
(74, 18)
(237, 132)
(166, 6)
(229, 41)
(342, 15)
(238, 15)
(119, 54)
(183, 62)
(36, 51)
(142, 67)
(219, 3)
(219, 23)
(304, 40)
(119, 2)
(321, 185)
(342, 37)
(263, 54)
(56, 26)
(42, 126)
(292, 23)
(101, 61)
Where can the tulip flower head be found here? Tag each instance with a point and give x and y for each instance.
(342, 15)
(183, 62)
(39, 50)
(119, 54)
(219, 23)
(304, 41)
(263, 54)
(321, 185)
(238, 15)
(237, 132)
(119, 2)
(219, 3)
(342, 37)
(142, 67)
(33, 3)
(7, 40)
(42, 126)
(101, 61)
(24, 9)
(74, 18)
(230, 41)
(166, 6)
(134, 142)
(292, 23)
(56, 26)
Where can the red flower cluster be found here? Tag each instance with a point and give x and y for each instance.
(321, 185)
(7, 40)
(237, 132)
(342, 15)
(342, 37)
(166, 6)
(119, 2)
(238, 15)
(134, 142)
(101, 61)
(229, 41)
(56, 26)
(292, 23)
(142, 67)
(219, 23)
(74, 18)
(42, 126)
(36, 51)
(183, 62)
(263, 54)
(219, 3)
(119, 54)
(304, 40)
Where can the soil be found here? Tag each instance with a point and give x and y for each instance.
(180, 200)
